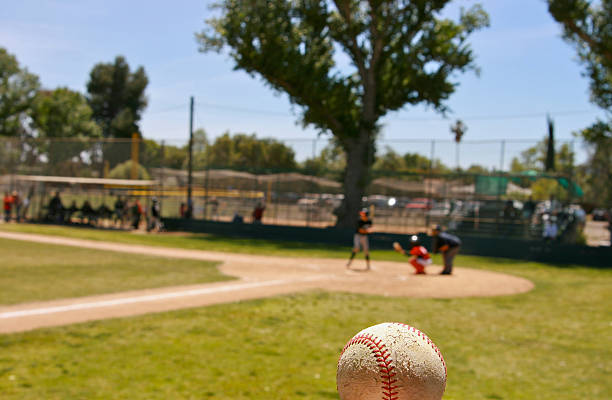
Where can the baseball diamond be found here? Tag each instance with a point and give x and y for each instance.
(273, 276)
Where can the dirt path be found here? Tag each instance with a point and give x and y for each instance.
(258, 276)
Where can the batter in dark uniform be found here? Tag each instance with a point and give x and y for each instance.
(360, 238)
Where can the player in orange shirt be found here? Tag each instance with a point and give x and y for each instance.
(7, 205)
(420, 257)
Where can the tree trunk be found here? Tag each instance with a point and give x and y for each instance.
(359, 158)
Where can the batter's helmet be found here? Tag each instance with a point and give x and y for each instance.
(365, 212)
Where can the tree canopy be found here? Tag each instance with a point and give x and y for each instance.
(597, 171)
(174, 157)
(17, 91)
(330, 161)
(243, 151)
(124, 171)
(117, 97)
(534, 158)
(588, 26)
(391, 161)
(62, 113)
(400, 53)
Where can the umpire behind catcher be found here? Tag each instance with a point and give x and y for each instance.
(448, 245)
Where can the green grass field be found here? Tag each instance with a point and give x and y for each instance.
(198, 241)
(554, 342)
(35, 272)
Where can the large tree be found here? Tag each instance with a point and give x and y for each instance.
(248, 152)
(391, 161)
(597, 171)
(17, 91)
(534, 158)
(117, 97)
(65, 117)
(62, 113)
(400, 52)
(152, 155)
(588, 26)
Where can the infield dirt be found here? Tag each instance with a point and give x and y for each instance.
(257, 277)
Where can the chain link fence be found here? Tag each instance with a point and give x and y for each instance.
(486, 200)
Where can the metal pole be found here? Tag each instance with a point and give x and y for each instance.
(503, 152)
(207, 180)
(571, 183)
(14, 163)
(162, 177)
(276, 202)
(430, 183)
(134, 171)
(499, 180)
(457, 155)
(190, 162)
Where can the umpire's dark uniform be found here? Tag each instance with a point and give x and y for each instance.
(449, 246)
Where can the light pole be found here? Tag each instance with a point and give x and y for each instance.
(190, 162)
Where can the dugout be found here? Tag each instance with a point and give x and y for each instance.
(38, 190)
(291, 198)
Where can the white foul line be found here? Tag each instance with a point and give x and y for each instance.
(143, 299)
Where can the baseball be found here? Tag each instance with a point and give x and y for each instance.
(391, 361)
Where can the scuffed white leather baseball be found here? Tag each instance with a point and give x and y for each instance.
(391, 361)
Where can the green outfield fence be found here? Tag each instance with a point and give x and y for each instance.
(485, 204)
(511, 248)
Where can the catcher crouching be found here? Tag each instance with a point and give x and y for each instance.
(419, 256)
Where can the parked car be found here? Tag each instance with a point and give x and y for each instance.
(307, 203)
(440, 208)
(600, 214)
(420, 204)
(380, 201)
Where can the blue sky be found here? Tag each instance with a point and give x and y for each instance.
(526, 72)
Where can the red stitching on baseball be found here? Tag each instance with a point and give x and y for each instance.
(433, 345)
(382, 356)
